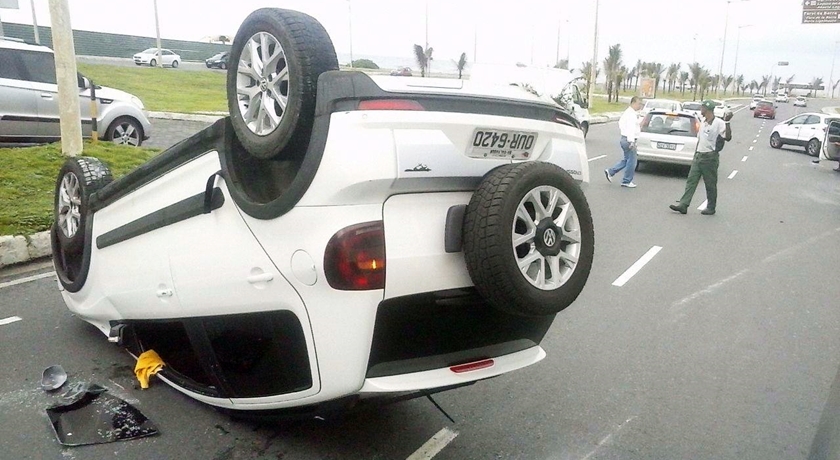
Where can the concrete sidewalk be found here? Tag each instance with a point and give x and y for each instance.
(18, 249)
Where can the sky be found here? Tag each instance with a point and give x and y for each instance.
(508, 31)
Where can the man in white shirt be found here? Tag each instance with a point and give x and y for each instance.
(706, 158)
(628, 124)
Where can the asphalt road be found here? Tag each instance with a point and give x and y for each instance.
(725, 345)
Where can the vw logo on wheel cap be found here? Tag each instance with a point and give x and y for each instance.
(549, 237)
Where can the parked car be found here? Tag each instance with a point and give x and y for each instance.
(755, 101)
(800, 102)
(370, 237)
(668, 137)
(401, 72)
(219, 60)
(150, 57)
(765, 109)
(692, 108)
(781, 97)
(660, 104)
(29, 110)
(806, 129)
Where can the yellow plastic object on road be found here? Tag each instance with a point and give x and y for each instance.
(148, 364)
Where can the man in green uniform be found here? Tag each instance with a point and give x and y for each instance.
(706, 158)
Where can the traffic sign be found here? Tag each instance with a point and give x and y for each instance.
(821, 5)
(820, 16)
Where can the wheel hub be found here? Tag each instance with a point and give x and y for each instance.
(547, 239)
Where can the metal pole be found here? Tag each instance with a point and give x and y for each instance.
(426, 49)
(694, 56)
(67, 79)
(737, 46)
(350, 19)
(557, 53)
(35, 23)
(723, 48)
(594, 57)
(475, 43)
(157, 33)
(568, 44)
(831, 76)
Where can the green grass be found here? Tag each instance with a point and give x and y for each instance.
(600, 105)
(28, 175)
(164, 90)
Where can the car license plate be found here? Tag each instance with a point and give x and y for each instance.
(496, 143)
(666, 146)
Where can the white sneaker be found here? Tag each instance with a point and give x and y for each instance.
(630, 185)
(607, 173)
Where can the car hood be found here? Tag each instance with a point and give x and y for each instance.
(109, 93)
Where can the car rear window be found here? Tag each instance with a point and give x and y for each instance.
(691, 106)
(765, 104)
(659, 105)
(675, 124)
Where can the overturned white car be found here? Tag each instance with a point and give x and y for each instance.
(338, 236)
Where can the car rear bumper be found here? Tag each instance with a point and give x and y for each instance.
(670, 158)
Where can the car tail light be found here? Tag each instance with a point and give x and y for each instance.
(695, 125)
(355, 258)
(474, 366)
(390, 104)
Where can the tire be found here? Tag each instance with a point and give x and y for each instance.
(776, 141)
(174, 64)
(125, 131)
(153, 63)
(208, 65)
(223, 66)
(638, 165)
(503, 210)
(585, 128)
(78, 178)
(813, 148)
(137, 64)
(265, 130)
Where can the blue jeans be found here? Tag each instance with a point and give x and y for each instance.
(628, 163)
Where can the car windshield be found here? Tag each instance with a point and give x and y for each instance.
(150, 51)
(670, 123)
(217, 56)
(800, 98)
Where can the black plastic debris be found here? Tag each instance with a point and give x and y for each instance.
(89, 415)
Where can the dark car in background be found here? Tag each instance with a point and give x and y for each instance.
(401, 72)
(765, 109)
(219, 60)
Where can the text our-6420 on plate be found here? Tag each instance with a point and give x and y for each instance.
(495, 143)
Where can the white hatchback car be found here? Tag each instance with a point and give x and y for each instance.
(150, 57)
(781, 97)
(362, 236)
(800, 102)
(806, 129)
(668, 137)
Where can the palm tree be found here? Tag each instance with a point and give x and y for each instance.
(739, 84)
(420, 57)
(654, 70)
(744, 88)
(704, 81)
(765, 82)
(620, 75)
(815, 84)
(833, 88)
(776, 82)
(672, 75)
(684, 76)
(696, 71)
(638, 72)
(428, 53)
(586, 70)
(612, 64)
(727, 82)
(754, 86)
(789, 80)
(562, 64)
(462, 62)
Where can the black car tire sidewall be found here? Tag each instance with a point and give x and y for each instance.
(775, 141)
(487, 234)
(816, 152)
(92, 175)
(309, 52)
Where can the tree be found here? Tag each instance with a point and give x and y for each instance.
(620, 75)
(696, 70)
(754, 86)
(428, 53)
(562, 64)
(789, 80)
(612, 63)
(672, 75)
(704, 81)
(765, 82)
(654, 70)
(420, 57)
(727, 81)
(462, 62)
(638, 72)
(739, 83)
(684, 76)
(776, 82)
(586, 70)
(364, 64)
(815, 84)
(833, 88)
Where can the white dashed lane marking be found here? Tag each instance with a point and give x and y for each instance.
(733, 174)
(625, 277)
(751, 147)
(597, 158)
(433, 446)
(10, 320)
(744, 159)
(27, 279)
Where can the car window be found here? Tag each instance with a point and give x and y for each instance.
(10, 69)
(812, 120)
(673, 124)
(660, 105)
(149, 51)
(39, 66)
(691, 106)
(799, 120)
(765, 104)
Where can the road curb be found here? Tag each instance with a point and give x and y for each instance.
(604, 118)
(205, 118)
(18, 249)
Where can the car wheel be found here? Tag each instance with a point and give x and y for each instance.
(585, 128)
(137, 63)
(638, 165)
(208, 65)
(776, 141)
(223, 66)
(813, 148)
(276, 58)
(153, 63)
(125, 131)
(528, 239)
(174, 64)
(77, 180)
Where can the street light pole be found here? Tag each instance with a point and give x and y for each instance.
(157, 32)
(350, 20)
(738, 45)
(694, 55)
(35, 23)
(723, 48)
(66, 78)
(594, 66)
(831, 76)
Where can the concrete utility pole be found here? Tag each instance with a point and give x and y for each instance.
(831, 75)
(66, 77)
(35, 23)
(592, 71)
(157, 33)
(350, 19)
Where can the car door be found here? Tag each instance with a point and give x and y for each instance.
(831, 143)
(790, 130)
(167, 57)
(810, 129)
(18, 98)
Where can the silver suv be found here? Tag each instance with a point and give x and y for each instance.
(29, 101)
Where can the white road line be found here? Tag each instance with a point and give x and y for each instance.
(597, 158)
(744, 159)
(27, 279)
(434, 445)
(755, 140)
(751, 147)
(10, 320)
(742, 108)
(625, 277)
(703, 205)
(733, 174)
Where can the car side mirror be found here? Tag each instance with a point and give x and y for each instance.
(84, 82)
(584, 104)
